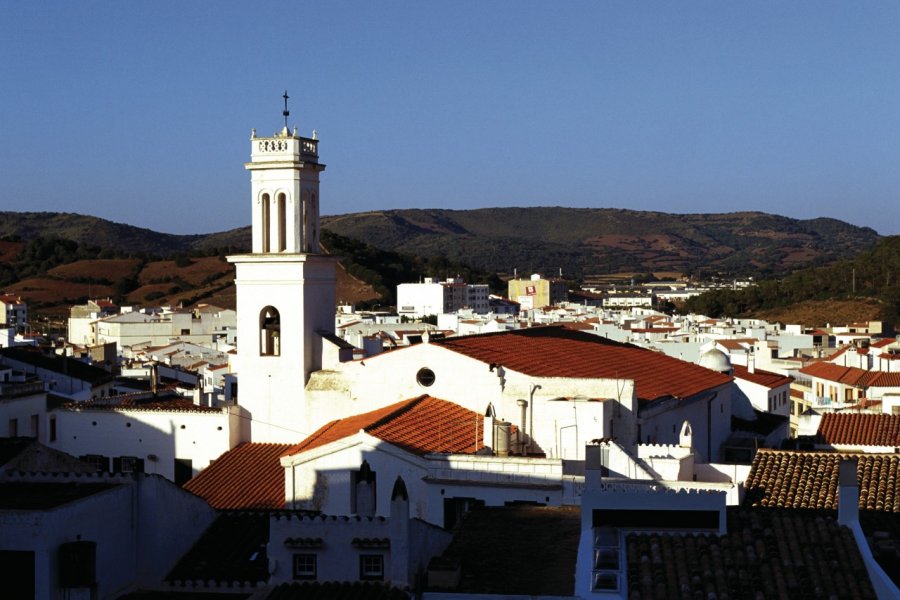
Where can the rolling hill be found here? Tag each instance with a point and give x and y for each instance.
(585, 241)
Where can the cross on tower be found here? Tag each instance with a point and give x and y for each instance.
(285, 112)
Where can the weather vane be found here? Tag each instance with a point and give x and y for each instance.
(285, 112)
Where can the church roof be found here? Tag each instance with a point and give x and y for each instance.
(420, 425)
(555, 351)
(247, 477)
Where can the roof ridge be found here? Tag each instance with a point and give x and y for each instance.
(403, 408)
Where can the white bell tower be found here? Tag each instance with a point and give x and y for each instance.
(285, 287)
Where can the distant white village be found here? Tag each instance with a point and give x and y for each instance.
(293, 448)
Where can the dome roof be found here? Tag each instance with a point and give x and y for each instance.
(716, 360)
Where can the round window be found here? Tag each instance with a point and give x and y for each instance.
(425, 377)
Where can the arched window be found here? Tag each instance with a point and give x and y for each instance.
(282, 222)
(265, 223)
(269, 332)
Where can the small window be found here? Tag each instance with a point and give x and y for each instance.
(52, 429)
(98, 461)
(128, 464)
(35, 425)
(13, 428)
(371, 567)
(305, 566)
(425, 377)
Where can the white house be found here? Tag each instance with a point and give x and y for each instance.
(431, 297)
(160, 433)
(76, 535)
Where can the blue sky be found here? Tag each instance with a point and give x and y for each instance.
(140, 112)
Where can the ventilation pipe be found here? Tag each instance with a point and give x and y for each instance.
(523, 404)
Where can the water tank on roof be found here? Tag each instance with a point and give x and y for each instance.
(501, 435)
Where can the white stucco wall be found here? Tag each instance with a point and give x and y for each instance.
(141, 528)
(200, 437)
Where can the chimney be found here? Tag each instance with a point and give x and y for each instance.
(593, 465)
(751, 364)
(401, 555)
(848, 493)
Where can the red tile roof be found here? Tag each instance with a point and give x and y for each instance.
(882, 342)
(736, 344)
(790, 479)
(765, 554)
(421, 425)
(764, 378)
(249, 476)
(866, 429)
(554, 351)
(852, 375)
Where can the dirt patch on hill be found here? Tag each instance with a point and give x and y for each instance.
(813, 313)
(200, 271)
(9, 251)
(112, 269)
(351, 290)
(49, 292)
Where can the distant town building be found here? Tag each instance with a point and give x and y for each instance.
(432, 297)
(13, 312)
(537, 292)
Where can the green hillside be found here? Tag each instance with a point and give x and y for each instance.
(872, 276)
(598, 241)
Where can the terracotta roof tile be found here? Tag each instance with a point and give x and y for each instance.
(867, 429)
(554, 351)
(231, 550)
(791, 479)
(736, 344)
(765, 554)
(764, 378)
(249, 476)
(330, 590)
(166, 400)
(852, 375)
(420, 425)
(540, 563)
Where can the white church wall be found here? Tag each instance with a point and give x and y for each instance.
(319, 479)
(366, 385)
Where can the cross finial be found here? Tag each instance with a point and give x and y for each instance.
(285, 112)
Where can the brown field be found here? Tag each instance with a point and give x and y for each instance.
(194, 274)
(54, 291)
(351, 290)
(656, 243)
(112, 269)
(814, 313)
(9, 251)
(139, 295)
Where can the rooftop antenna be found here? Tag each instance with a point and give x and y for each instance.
(285, 112)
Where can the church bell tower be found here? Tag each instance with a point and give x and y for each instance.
(285, 287)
